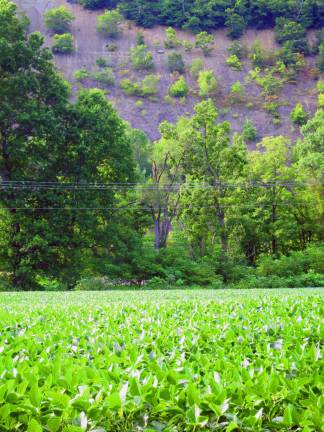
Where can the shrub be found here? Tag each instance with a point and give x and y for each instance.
(321, 100)
(109, 24)
(320, 61)
(130, 88)
(187, 45)
(205, 41)
(175, 62)
(139, 39)
(249, 131)
(171, 40)
(235, 23)
(234, 62)
(238, 50)
(149, 85)
(111, 47)
(141, 57)
(101, 62)
(139, 104)
(63, 43)
(179, 88)
(207, 83)
(237, 91)
(298, 115)
(58, 19)
(290, 31)
(104, 76)
(257, 55)
(81, 74)
(197, 65)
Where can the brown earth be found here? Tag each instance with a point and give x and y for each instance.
(89, 46)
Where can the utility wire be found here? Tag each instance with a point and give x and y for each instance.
(148, 208)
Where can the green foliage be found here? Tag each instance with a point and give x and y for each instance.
(205, 42)
(298, 115)
(101, 62)
(179, 88)
(249, 131)
(320, 61)
(81, 75)
(197, 16)
(234, 62)
(187, 45)
(171, 40)
(142, 59)
(175, 62)
(139, 40)
(148, 86)
(58, 19)
(104, 76)
(237, 91)
(207, 83)
(109, 24)
(291, 32)
(210, 341)
(63, 43)
(197, 65)
(237, 49)
(235, 23)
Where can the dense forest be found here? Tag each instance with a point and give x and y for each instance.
(88, 201)
(197, 15)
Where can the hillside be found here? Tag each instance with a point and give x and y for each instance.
(147, 113)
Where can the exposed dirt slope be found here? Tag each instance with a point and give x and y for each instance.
(89, 46)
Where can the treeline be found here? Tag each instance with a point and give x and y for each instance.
(197, 15)
(84, 196)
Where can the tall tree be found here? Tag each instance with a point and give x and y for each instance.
(44, 138)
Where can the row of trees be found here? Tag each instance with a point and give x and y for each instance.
(196, 15)
(83, 194)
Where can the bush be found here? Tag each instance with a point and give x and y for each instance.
(207, 83)
(176, 63)
(290, 31)
(58, 19)
(109, 24)
(179, 88)
(149, 85)
(104, 76)
(235, 23)
(320, 61)
(298, 115)
(237, 92)
(205, 41)
(111, 47)
(249, 131)
(234, 62)
(196, 66)
(171, 40)
(101, 62)
(139, 39)
(238, 50)
(187, 45)
(141, 57)
(63, 43)
(81, 74)
(130, 87)
(296, 281)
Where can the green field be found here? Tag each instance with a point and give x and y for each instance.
(186, 360)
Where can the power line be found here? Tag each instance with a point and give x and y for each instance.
(32, 185)
(148, 208)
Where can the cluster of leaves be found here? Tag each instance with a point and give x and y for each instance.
(59, 20)
(142, 58)
(197, 16)
(104, 75)
(147, 87)
(167, 361)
